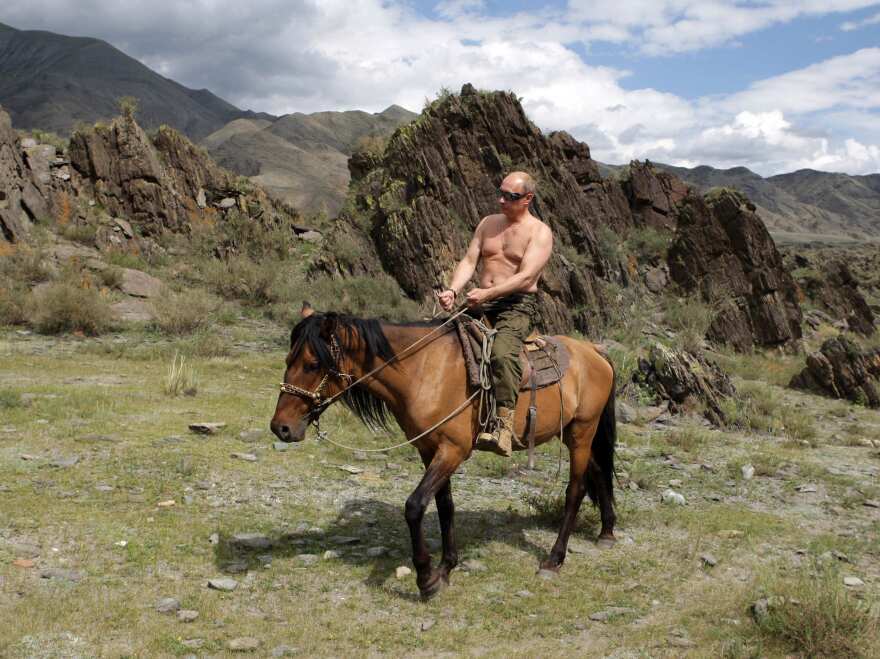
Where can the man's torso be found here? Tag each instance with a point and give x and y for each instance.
(502, 248)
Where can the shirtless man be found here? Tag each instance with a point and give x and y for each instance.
(512, 249)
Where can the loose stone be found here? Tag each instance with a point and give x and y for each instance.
(748, 471)
(308, 559)
(853, 582)
(167, 605)
(223, 583)
(187, 615)
(244, 644)
(247, 457)
(402, 571)
(473, 565)
(709, 560)
(251, 541)
(207, 427)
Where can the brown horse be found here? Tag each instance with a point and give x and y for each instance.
(420, 389)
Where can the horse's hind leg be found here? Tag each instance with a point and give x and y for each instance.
(578, 438)
(600, 487)
(441, 466)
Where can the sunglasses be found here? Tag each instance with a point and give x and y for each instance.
(507, 195)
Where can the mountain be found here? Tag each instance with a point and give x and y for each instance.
(804, 204)
(53, 82)
(302, 158)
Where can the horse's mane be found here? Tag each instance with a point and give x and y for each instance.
(367, 407)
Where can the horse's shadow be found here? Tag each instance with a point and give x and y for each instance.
(369, 524)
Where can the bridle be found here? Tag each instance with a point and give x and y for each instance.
(317, 396)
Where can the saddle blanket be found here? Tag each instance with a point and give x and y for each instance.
(544, 359)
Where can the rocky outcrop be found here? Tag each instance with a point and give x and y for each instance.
(412, 209)
(830, 285)
(841, 370)
(154, 186)
(653, 194)
(723, 252)
(686, 380)
(21, 200)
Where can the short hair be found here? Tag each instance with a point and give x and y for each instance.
(528, 183)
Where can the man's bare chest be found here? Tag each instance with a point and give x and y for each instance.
(510, 242)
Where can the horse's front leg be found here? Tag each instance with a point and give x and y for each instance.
(441, 466)
(446, 513)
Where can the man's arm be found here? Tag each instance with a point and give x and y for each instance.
(464, 270)
(537, 254)
(466, 267)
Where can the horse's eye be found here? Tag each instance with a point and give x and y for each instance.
(311, 367)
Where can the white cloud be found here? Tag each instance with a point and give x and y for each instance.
(308, 55)
(849, 26)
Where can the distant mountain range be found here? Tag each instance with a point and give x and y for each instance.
(800, 205)
(52, 82)
(301, 158)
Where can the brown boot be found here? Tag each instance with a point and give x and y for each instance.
(501, 439)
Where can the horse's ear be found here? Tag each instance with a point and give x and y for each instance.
(329, 324)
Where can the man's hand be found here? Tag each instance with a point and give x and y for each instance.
(446, 299)
(477, 296)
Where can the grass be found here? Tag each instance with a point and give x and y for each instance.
(181, 378)
(812, 615)
(507, 517)
(178, 314)
(66, 307)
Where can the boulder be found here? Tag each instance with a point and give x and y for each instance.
(830, 285)
(723, 252)
(139, 284)
(840, 369)
(684, 379)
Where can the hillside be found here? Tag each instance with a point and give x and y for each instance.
(301, 158)
(53, 82)
(802, 202)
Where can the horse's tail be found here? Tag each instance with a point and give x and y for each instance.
(603, 448)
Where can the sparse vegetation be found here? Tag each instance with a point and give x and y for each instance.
(182, 313)
(812, 615)
(181, 378)
(66, 307)
(690, 318)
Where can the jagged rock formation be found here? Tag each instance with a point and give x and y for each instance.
(724, 252)
(841, 370)
(21, 200)
(413, 208)
(686, 380)
(830, 285)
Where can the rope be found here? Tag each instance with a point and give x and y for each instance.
(323, 436)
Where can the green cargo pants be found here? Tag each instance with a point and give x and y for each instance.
(513, 317)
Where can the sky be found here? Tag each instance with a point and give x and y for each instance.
(772, 85)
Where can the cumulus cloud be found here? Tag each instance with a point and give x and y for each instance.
(849, 26)
(308, 55)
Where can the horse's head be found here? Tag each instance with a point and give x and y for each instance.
(310, 377)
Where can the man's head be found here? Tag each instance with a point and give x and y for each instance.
(516, 193)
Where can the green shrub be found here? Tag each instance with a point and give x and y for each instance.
(690, 319)
(25, 264)
(649, 243)
(813, 616)
(244, 279)
(10, 399)
(85, 234)
(111, 277)
(182, 313)
(13, 304)
(65, 307)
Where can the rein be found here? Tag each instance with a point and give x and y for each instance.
(322, 403)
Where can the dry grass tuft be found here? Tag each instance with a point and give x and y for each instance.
(64, 307)
(182, 313)
(181, 378)
(814, 616)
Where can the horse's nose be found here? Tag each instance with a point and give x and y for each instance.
(281, 430)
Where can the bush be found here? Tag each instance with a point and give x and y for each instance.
(13, 304)
(813, 616)
(111, 277)
(10, 399)
(182, 313)
(244, 279)
(64, 307)
(24, 264)
(649, 243)
(690, 318)
(85, 234)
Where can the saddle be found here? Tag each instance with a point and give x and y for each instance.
(544, 360)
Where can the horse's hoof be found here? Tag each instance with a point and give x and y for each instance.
(437, 583)
(546, 574)
(606, 542)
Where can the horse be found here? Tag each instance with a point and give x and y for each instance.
(420, 387)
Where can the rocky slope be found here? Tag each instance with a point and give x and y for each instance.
(301, 158)
(53, 82)
(414, 205)
(801, 202)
